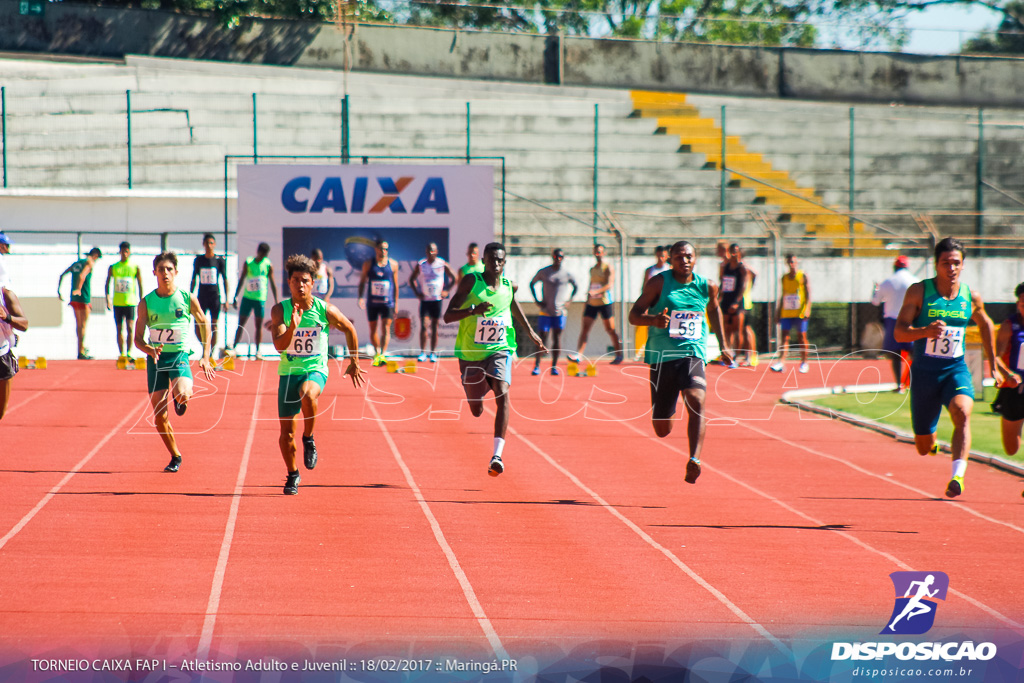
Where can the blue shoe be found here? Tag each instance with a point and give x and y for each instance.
(535, 371)
(422, 358)
(433, 358)
(555, 371)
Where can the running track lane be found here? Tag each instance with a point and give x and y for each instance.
(120, 561)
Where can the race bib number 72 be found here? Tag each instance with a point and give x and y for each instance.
(490, 331)
(168, 336)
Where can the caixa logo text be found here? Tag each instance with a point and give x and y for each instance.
(300, 196)
(948, 652)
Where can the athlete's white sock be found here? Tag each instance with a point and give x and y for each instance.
(959, 467)
(499, 445)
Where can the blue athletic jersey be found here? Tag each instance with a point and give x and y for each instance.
(381, 293)
(1016, 341)
(948, 350)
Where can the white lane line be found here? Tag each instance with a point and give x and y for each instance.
(11, 409)
(467, 588)
(74, 470)
(845, 534)
(213, 605)
(732, 607)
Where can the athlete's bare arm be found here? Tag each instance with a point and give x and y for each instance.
(238, 287)
(270, 279)
(106, 284)
(905, 331)
(455, 312)
(204, 332)
(807, 292)
(140, 333)
(987, 327)
(394, 279)
(338, 321)
(282, 329)
(413, 284)
(638, 315)
(448, 283)
(12, 307)
(330, 281)
(363, 278)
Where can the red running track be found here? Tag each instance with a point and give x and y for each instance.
(399, 544)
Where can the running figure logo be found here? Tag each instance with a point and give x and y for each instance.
(914, 612)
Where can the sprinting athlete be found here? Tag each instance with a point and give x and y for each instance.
(934, 317)
(81, 295)
(11, 318)
(168, 312)
(210, 272)
(430, 281)
(1009, 401)
(678, 305)
(484, 305)
(299, 325)
(916, 606)
(256, 275)
(381, 273)
(127, 279)
(473, 264)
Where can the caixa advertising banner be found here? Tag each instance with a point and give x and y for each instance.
(347, 211)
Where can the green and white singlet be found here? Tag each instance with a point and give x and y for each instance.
(256, 277)
(481, 336)
(687, 331)
(126, 291)
(947, 350)
(169, 319)
(307, 351)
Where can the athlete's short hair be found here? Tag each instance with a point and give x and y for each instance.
(298, 263)
(680, 245)
(165, 256)
(949, 244)
(472, 246)
(379, 242)
(600, 246)
(123, 246)
(264, 248)
(735, 247)
(209, 236)
(95, 251)
(660, 248)
(1020, 290)
(493, 246)
(316, 253)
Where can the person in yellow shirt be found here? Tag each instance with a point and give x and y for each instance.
(127, 279)
(793, 310)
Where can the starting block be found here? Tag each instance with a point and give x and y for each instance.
(591, 369)
(226, 363)
(126, 363)
(26, 363)
(410, 366)
(391, 366)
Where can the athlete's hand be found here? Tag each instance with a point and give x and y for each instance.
(269, 325)
(444, 294)
(3, 311)
(356, 372)
(110, 303)
(207, 368)
(224, 307)
(296, 317)
(480, 309)
(1011, 380)
(362, 303)
(661, 321)
(538, 341)
(935, 330)
(726, 356)
(76, 292)
(154, 351)
(234, 304)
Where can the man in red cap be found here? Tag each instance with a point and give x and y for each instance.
(890, 293)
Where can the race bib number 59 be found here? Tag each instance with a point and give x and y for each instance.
(687, 325)
(490, 331)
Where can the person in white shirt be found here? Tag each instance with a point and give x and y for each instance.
(430, 281)
(890, 293)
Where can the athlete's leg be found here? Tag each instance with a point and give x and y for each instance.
(81, 318)
(501, 401)
(433, 335)
(5, 396)
(118, 321)
(543, 332)
(729, 323)
(310, 399)
(1011, 434)
(375, 336)
(924, 443)
(158, 399)
(740, 334)
(286, 441)
(243, 318)
(960, 409)
(693, 399)
(474, 383)
(423, 334)
(258, 319)
(897, 367)
(386, 334)
(581, 345)
(181, 389)
(783, 345)
(803, 346)
(556, 344)
(609, 327)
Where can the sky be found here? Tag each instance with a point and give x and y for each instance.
(941, 29)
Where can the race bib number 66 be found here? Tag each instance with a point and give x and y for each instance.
(685, 325)
(490, 331)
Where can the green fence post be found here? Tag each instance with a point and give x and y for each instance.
(345, 130)
(255, 148)
(3, 127)
(503, 200)
(595, 171)
(128, 97)
(722, 180)
(979, 194)
(852, 173)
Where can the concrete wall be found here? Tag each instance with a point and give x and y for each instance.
(764, 72)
